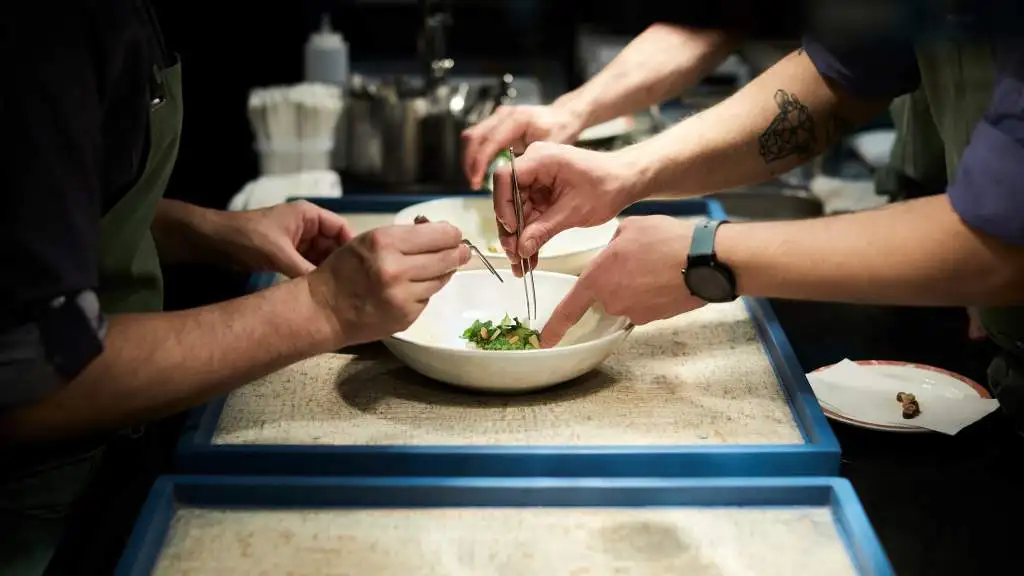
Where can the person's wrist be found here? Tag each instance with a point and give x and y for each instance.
(576, 109)
(729, 251)
(319, 298)
(226, 238)
(187, 233)
(680, 246)
(635, 174)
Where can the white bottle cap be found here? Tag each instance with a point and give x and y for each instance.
(326, 38)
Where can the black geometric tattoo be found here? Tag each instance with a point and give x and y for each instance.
(791, 133)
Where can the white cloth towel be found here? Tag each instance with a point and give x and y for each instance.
(267, 191)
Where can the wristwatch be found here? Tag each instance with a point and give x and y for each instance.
(705, 276)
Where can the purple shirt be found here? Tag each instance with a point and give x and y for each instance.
(988, 190)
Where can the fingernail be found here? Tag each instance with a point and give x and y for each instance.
(505, 226)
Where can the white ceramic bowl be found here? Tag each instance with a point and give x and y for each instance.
(568, 252)
(433, 345)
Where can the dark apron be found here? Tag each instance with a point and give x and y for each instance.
(957, 79)
(917, 166)
(35, 505)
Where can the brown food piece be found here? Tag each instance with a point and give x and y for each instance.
(904, 397)
(911, 410)
(421, 219)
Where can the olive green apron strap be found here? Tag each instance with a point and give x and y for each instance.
(130, 277)
(917, 166)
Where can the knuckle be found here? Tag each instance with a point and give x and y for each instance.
(389, 274)
(376, 239)
(461, 256)
(452, 234)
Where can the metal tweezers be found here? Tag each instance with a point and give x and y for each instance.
(487, 263)
(517, 201)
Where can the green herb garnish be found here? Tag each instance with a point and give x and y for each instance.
(509, 334)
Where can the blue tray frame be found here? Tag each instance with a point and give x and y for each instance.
(150, 532)
(818, 455)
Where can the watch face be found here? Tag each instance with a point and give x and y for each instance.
(710, 284)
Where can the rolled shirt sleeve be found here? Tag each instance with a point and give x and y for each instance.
(988, 190)
(872, 70)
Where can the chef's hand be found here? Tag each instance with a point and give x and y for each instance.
(292, 238)
(380, 281)
(562, 187)
(516, 126)
(637, 276)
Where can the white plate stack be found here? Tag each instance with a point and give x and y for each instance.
(294, 126)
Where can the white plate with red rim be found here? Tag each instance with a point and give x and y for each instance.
(919, 376)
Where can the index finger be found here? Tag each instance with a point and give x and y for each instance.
(427, 237)
(334, 226)
(504, 205)
(567, 314)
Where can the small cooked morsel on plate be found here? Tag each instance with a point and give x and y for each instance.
(902, 397)
(911, 409)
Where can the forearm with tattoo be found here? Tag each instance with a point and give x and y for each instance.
(782, 119)
(794, 132)
(791, 133)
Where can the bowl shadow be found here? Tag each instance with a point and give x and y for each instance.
(381, 377)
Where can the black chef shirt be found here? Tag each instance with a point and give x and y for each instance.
(74, 106)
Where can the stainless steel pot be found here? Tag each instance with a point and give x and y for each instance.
(441, 136)
(383, 122)
(398, 135)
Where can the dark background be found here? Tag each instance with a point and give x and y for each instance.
(227, 48)
(226, 51)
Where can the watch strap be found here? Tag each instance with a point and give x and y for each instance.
(702, 243)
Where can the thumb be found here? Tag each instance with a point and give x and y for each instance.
(292, 264)
(549, 223)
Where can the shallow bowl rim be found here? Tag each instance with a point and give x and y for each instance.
(487, 252)
(623, 330)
